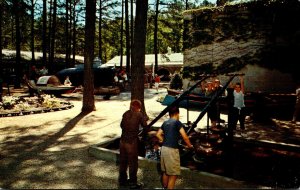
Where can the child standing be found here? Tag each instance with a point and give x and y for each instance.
(239, 113)
(169, 134)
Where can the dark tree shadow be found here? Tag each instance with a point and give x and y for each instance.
(8, 170)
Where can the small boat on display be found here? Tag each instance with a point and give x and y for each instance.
(49, 85)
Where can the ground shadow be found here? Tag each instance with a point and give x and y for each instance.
(12, 166)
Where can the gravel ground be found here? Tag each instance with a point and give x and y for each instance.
(49, 150)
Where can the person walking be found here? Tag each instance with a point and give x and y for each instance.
(169, 134)
(156, 82)
(129, 142)
(116, 79)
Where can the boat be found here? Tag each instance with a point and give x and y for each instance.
(48, 85)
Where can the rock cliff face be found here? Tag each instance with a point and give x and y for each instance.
(259, 38)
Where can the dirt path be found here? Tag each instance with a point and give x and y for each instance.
(49, 150)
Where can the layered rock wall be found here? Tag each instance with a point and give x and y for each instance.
(258, 38)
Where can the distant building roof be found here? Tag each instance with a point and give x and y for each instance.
(163, 60)
(38, 55)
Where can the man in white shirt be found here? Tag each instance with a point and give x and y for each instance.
(116, 79)
(238, 109)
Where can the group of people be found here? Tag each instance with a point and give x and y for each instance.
(235, 98)
(35, 73)
(168, 136)
(121, 78)
(208, 89)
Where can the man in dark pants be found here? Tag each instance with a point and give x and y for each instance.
(236, 105)
(230, 100)
(236, 112)
(131, 121)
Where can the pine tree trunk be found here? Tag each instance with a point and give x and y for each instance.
(44, 35)
(18, 66)
(127, 37)
(138, 61)
(88, 83)
(32, 37)
(1, 69)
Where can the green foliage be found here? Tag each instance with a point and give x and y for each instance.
(170, 28)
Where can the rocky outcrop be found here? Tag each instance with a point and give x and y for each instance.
(247, 37)
(217, 53)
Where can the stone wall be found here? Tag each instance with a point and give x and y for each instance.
(259, 38)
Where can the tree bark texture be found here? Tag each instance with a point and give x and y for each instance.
(138, 62)
(128, 50)
(88, 92)
(18, 66)
(32, 37)
(44, 35)
(155, 36)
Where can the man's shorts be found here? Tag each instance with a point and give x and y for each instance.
(170, 160)
(156, 84)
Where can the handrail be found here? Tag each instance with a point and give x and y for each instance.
(181, 97)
